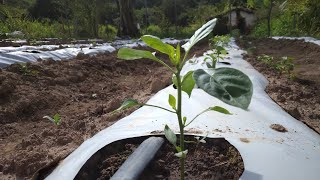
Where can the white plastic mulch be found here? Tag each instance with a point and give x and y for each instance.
(306, 39)
(11, 55)
(267, 154)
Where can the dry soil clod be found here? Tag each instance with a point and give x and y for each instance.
(278, 127)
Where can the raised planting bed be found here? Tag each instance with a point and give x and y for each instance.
(216, 159)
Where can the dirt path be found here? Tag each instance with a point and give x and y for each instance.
(83, 91)
(300, 97)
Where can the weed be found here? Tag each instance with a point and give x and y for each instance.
(56, 119)
(265, 59)
(284, 65)
(24, 69)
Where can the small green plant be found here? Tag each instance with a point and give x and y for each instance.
(218, 43)
(222, 40)
(213, 59)
(24, 69)
(227, 84)
(265, 59)
(56, 119)
(284, 65)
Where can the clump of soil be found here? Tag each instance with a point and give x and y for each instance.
(83, 91)
(278, 127)
(300, 97)
(216, 159)
(245, 140)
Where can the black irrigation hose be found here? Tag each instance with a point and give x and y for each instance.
(139, 159)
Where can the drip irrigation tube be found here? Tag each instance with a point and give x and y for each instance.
(139, 159)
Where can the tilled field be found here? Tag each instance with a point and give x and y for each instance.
(83, 91)
(300, 96)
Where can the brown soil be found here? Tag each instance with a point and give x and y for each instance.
(83, 91)
(216, 159)
(300, 97)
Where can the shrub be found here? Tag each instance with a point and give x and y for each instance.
(235, 33)
(107, 32)
(154, 29)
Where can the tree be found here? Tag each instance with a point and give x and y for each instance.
(294, 8)
(50, 9)
(269, 3)
(127, 23)
(264, 4)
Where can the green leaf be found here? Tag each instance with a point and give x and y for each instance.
(207, 58)
(224, 52)
(219, 109)
(132, 54)
(188, 83)
(178, 54)
(172, 101)
(171, 137)
(127, 104)
(184, 120)
(201, 33)
(227, 84)
(181, 154)
(156, 43)
(213, 61)
(57, 119)
(178, 148)
(219, 49)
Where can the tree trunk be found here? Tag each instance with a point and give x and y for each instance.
(294, 22)
(127, 24)
(175, 16)
(230, 16)
(94, 26)
(69, 28)
(146, 13)
(269, 18)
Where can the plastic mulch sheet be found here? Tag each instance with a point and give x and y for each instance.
(267, 154)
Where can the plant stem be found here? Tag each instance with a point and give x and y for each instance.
(157, 107)
(179, 114)
(196, 117)
(183, 61)
(166, 65)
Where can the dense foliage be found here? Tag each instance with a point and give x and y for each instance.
(165, 18)
(291, 18)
